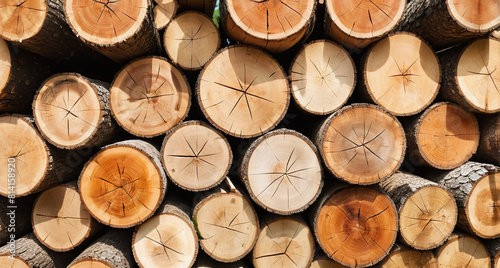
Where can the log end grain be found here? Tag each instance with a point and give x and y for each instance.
(409, 258)
(163, 12)
(21, 20)
(463, 249)
(475, 15)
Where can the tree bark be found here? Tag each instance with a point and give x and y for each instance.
(493, 246)
(463, 249)
(489, 142)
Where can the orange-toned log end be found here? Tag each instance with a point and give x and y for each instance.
(356, 226)
(475, 15)
(409, 258)
(243, 91)
(163, 12)
(463, 251)
(123, 184)
(21, 19)
(90, 263)
(358, 23)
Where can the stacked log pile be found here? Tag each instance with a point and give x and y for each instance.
(234, 133)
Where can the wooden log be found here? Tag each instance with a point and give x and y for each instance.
(496, 33)
(195, 156)
(402, 256)
(427, 212)
(204, 6)
(72, 111)
(282, 172)
(444, 136)
(444, 23)
(489, 143)
(20, 73)
(168, 239)
(284, 241)
(321, 260)
(149, 96)
(191, 39)
(205, 261)
(476, 188)
(470, 75)
(401, 73)
(355, 226)
(462, 250)
(361, 143)
(123, 184)
(243, 91)
(163, 12)
(59, 219)
(493, 246)
(110, 250)
(120, 30)
(322, 77)
(356, 24)
(273, 25)
(16, 215)
(226, 222)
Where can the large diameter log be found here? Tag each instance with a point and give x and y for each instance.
(427, 212)
(163, 12)
(470, 75)
(72, 111)
(120, 30)
(243, 91)
(444, 23)
(361, 143)
(356, 24)
(463, 251)
(322, 77)
(123, 184)
(489, 142)
(149, 96)
(282, 172)
(493, 246)
(59, 219)
(275, 25)
(191, 39)
(284, 241)
(16, 217)
(401, 73)
(401, 256)
(476, 188)
(20, 74)
(444, 136)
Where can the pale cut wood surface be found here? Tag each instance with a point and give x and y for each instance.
(401, 256)
(164, 11)
(463, 251)
(21, 19)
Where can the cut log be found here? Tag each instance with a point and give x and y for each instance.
(120, 30)
(444, 23)
(444, 136)
(34, 165)
(489, 142)
(355, 226)
(204, 6)
(493, 246)
(243, 91)
(321, 260)
(322, 77)
(18, 224)
(274, 25)
(123, 184)
(72, 111)
(401, 256)
(284, 241)
(110, 250)
(427, 212)
(361, 143)
(168, 239)
(204, 261)
(496, 33)
(59, 219)
(191, 39)
(476, 188)
(463, 251)
(356, 24)
(401, 73)
(282, 172)
(471, 77)
(20, 74)
(163, 12)
(227, 223)
(149, 96)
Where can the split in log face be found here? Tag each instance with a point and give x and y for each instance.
(21, 19)
(243, 91)
(149, 96)
(356, 226)
(482, 206)
(463, 251)
(409, 258)
(163, 12)
(475, 15)
(17, 262)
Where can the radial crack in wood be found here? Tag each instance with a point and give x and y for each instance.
(21, 19)
(463, 251)
(163, 12)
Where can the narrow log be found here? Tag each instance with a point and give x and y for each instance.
(284, 241)
(123, 184)
(493, 246)
(243, 91)
(361, 143)
(401, 73)
(191, 39)
(444, 23)
(444, 136)
(59, 219)
(120, 30)
(470, 75)
(427, 212)
(462, 250)
(163, 12)
(402, 256)
(476, 188)
(356, 24)
(149, 96)
(273, 25)
(203, 6)
(110, 250)
(16, 215)
(322, 77)
(489, 142)
(72, 111)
